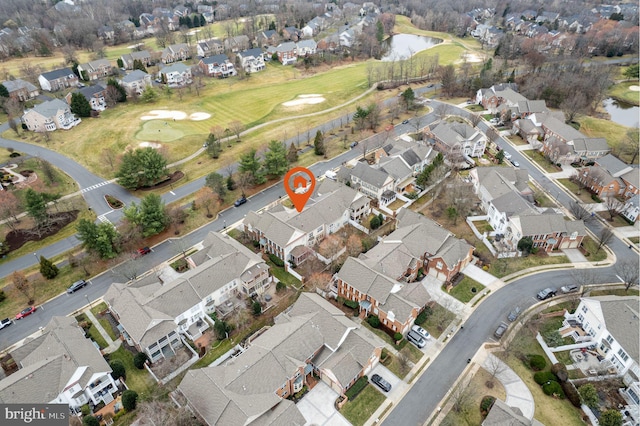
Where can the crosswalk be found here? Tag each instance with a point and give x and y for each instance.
(92, 187)
(103, 218)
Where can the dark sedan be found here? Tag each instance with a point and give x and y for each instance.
(381, 383)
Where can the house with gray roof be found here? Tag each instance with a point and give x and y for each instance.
(502, 414)
(175, 53)
(549, 231)
(306, 47)
(176, 75)
(209, 47)
(372, 182)
(20, 90)
(94, 70)
(135, 82)
(414, 154)
(268, 38)
(610, 177)
(631, 209)
(609, 325)
(153, 315)
(492, 182)
(458, 140)
(50, 116)
(143, 56)
(564, 144)
(217, 66)
(312, 337)
(252, 60)
(95, 95)
(287, 53)
(499, 94)
(289, 234)
(237, 43)
(59, 366)
(59, 79)
(401, 173)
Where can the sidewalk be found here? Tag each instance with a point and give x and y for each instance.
(113, 344)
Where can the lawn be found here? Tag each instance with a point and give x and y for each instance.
(615, 292)
(57, 183)
(591, 246)
(517, 140)
(214, 353)
(404, 346)
(634, 240)
(93, 332)
(614, 133)
(438, 321)
(582, 194)
(395, 366)
(363, 406)
(621, 91)
(466, 289)
(283, 275)
(103, 321)
(617, 219)
(137, 380)
(541, 160)
(503, 267)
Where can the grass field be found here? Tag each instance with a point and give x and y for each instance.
(621, 92)
(137, 380)
(540, 160)
(362, 407)
(582, 194)
(614, 133)
(463, 290)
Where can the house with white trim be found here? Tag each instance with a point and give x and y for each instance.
(50, 116)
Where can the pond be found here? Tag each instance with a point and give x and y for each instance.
(622, 112)
(403, 46)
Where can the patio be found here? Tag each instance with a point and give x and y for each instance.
(108, 411)
(590, 362)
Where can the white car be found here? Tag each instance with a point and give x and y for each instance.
(507, 155)
(421, 331)
(515, 164)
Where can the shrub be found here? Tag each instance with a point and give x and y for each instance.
(85, 410)
(276, 260)
(572, 393)
(90, 421)
(2, 296)
(611, 417)
(542, 377)
(375, 223)
(15, 154)
(537, 362)
(374, 321)
(118, 369)
(560, 370)
(553, 388)
(424, 315)
(257, 308)
(397, 337)
(589, 395)
(595, 198)
(139, 360)
(357, 387)
(487, 403)
(280, 286)
(351, 304)
(129, 399)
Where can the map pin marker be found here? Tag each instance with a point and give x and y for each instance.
(301, 184)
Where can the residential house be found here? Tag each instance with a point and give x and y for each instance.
(106, 33)
(143, 56)
(456, 140)
(237, 43)
(415, 155)
(290, 235)
(209, 47)
(501, 414)
(606, 178)
(530, 128)
(287, 53)
(94, 95)
(95, 69)
(55, 80)
(50, 116)
(372, 182)
(217, 66)
(136, 82)
(20, 90)
(153, 315)
(402, 174)
(175, 53)
(313, 337)
(564, 144)
(330, 43)
(549, 231)
(525, 108)
(313, 27)
(610, 324)
(176, 75)
(268, 38)
(306, 47)
(251, 60)
(496, 95)
(631, 209)
(291, 34)
(59, 366)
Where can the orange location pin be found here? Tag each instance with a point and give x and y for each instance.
(302, 187)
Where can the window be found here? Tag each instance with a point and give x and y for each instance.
(439, 265)
(623, 355)
(584, 309)
(609, 339)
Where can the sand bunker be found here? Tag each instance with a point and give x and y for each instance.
(634, 88)
(470, 58)
(199, 116)
(149, 145)
(305, 100)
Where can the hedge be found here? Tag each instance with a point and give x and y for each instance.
(553, 388)
(351, 304)
(542, 377)
(374, 321)
(357, 387)
(537, 362)
(276, 260)
(572, 393)
(560, 370)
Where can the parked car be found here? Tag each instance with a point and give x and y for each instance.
(547, 293)
(515, 164)
(26, 312)
(507, 155)
(430, 85)
(405, 122)
(416, 339)
(494, 120)
(382, 383)
(421, 331)
(5, 323)
(76, 286)
(514, 314)
(354, 144)
(240, 201)
(142, 251)
(569, 288)
(500, 330)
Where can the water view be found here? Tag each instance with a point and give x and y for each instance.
(403, 46)
(622, 112)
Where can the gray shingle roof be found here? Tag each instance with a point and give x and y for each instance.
(541, 224)
(56, 74)
(512, 204)
(587, 145)
(632, 177)
(502, 180)
(368, 174)
(135, 75)
(396, 168)
(359, 276)
(614, 166)
(177, 67)
(215, 59)
(18, 84)
(565, 131)
(51, 108)
(621, 319)
(255, 52)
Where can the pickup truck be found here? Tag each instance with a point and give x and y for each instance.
(5, 323)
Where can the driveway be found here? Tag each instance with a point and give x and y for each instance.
(318, 409)
(477, 274)
(574, 255)
(398, 387)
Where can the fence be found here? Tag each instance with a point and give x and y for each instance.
(482, 237)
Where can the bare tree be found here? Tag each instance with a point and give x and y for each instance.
(442, 110)
(494, 366)
(158, 413)
(604, 237)
(354, 246)
(474, 119)
(318, 280)
(236, 127)
(10, 208)
(613, 207)
(23, 285)
(330, 247)
(631, 144)
(580, 211)
(462, 396)
(129, 270)
(627, 271)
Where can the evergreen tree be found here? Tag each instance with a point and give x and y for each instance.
(275, 159)
(138, 65)
(80, 105)
(318, 144)
(3, 91)
(122, 93)
(251, 164)
(141, 167)
(47, 268)
(102, 238)
(292, 155)
(215, 181)
(150, 215)
(203, 21)
(231, 184)
(120, 63)
(36, 206)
